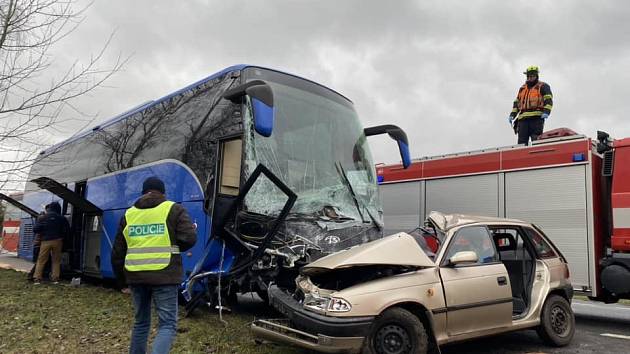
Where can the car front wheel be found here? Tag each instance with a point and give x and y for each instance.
(557, 322)
(397, 331)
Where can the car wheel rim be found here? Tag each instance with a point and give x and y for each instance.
(559, 321)
(393, 339)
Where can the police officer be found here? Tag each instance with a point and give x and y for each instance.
(146, 255)
(531, 107)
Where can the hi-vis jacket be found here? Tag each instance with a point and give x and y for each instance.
(532, 102)
(148, 242)
(148, 238)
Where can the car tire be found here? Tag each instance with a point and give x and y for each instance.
(557, 322)
(396, 331)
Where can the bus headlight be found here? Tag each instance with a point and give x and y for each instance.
(338, 304)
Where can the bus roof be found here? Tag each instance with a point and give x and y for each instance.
(149, 104)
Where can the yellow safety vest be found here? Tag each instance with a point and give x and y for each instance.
(148, 242)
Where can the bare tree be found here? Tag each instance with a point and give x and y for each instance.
(32, 99)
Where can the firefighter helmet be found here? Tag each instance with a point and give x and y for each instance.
(532, 68)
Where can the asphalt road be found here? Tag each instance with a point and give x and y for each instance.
(600, 328)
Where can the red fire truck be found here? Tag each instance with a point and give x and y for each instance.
(575, 188)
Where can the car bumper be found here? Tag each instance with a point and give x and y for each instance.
(311, 330)
(280, 331)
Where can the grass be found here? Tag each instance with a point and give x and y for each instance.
(92, 319)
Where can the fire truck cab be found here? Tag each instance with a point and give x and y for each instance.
(575, 188)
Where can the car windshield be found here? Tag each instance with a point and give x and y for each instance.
(319, 150)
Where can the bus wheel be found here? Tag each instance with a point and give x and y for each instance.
(397, 331)
(557, 322)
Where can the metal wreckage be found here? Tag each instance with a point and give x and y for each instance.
(296, 204)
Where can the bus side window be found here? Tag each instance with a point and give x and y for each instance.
(230, 173)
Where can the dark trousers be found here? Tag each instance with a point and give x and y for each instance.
(529, 128)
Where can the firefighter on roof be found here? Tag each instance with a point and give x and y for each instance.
(532, 107)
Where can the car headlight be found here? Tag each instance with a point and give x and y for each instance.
(305, 285)
(337, 304)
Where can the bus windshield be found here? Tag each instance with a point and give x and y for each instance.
(319, 150)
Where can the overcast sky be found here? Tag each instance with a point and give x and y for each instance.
(445, 71)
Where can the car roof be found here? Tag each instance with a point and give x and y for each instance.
(445, 222)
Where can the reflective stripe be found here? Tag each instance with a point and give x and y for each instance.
(515, 110)
(530, 114)
(548, 106)
(173, 250)
(621, 218)
(547, 97)
(135, 262)
(530, 97)
(148, 241)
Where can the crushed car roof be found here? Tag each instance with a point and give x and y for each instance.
(445, 222)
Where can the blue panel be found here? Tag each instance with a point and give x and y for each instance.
(199, 218)
(263, 118)
(404, 153)
(121, 190)
(111, 220)
(380, 179)
(25, 244)
(578, 157)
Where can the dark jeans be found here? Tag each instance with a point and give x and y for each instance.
(529, 128)
(165, 299)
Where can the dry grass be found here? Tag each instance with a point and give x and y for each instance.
(93, 319)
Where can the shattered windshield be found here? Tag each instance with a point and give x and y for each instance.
(319, 150)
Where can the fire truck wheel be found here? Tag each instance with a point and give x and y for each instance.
(557, 322)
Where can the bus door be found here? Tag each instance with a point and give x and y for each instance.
(84, 238)
(92, 231)
(226, 187)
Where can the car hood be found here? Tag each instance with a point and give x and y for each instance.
(398, 250)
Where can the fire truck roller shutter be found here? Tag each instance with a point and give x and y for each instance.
(556, 200)
(402, 204)
(476, 195)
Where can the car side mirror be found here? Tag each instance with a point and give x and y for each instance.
(463, 257)
(397, 134)
(261, 95)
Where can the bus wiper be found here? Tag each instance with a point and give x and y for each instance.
(346, 181)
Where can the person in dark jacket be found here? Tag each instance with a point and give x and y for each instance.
(52, 227)
(37, 242)
(531, 108)
(146, 255)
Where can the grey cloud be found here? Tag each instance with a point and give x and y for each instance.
(445, 71)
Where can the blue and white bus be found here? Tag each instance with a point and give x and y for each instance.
(274, 170)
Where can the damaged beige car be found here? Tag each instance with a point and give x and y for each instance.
(459, 278)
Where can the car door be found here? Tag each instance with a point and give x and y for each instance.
(478, 295)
